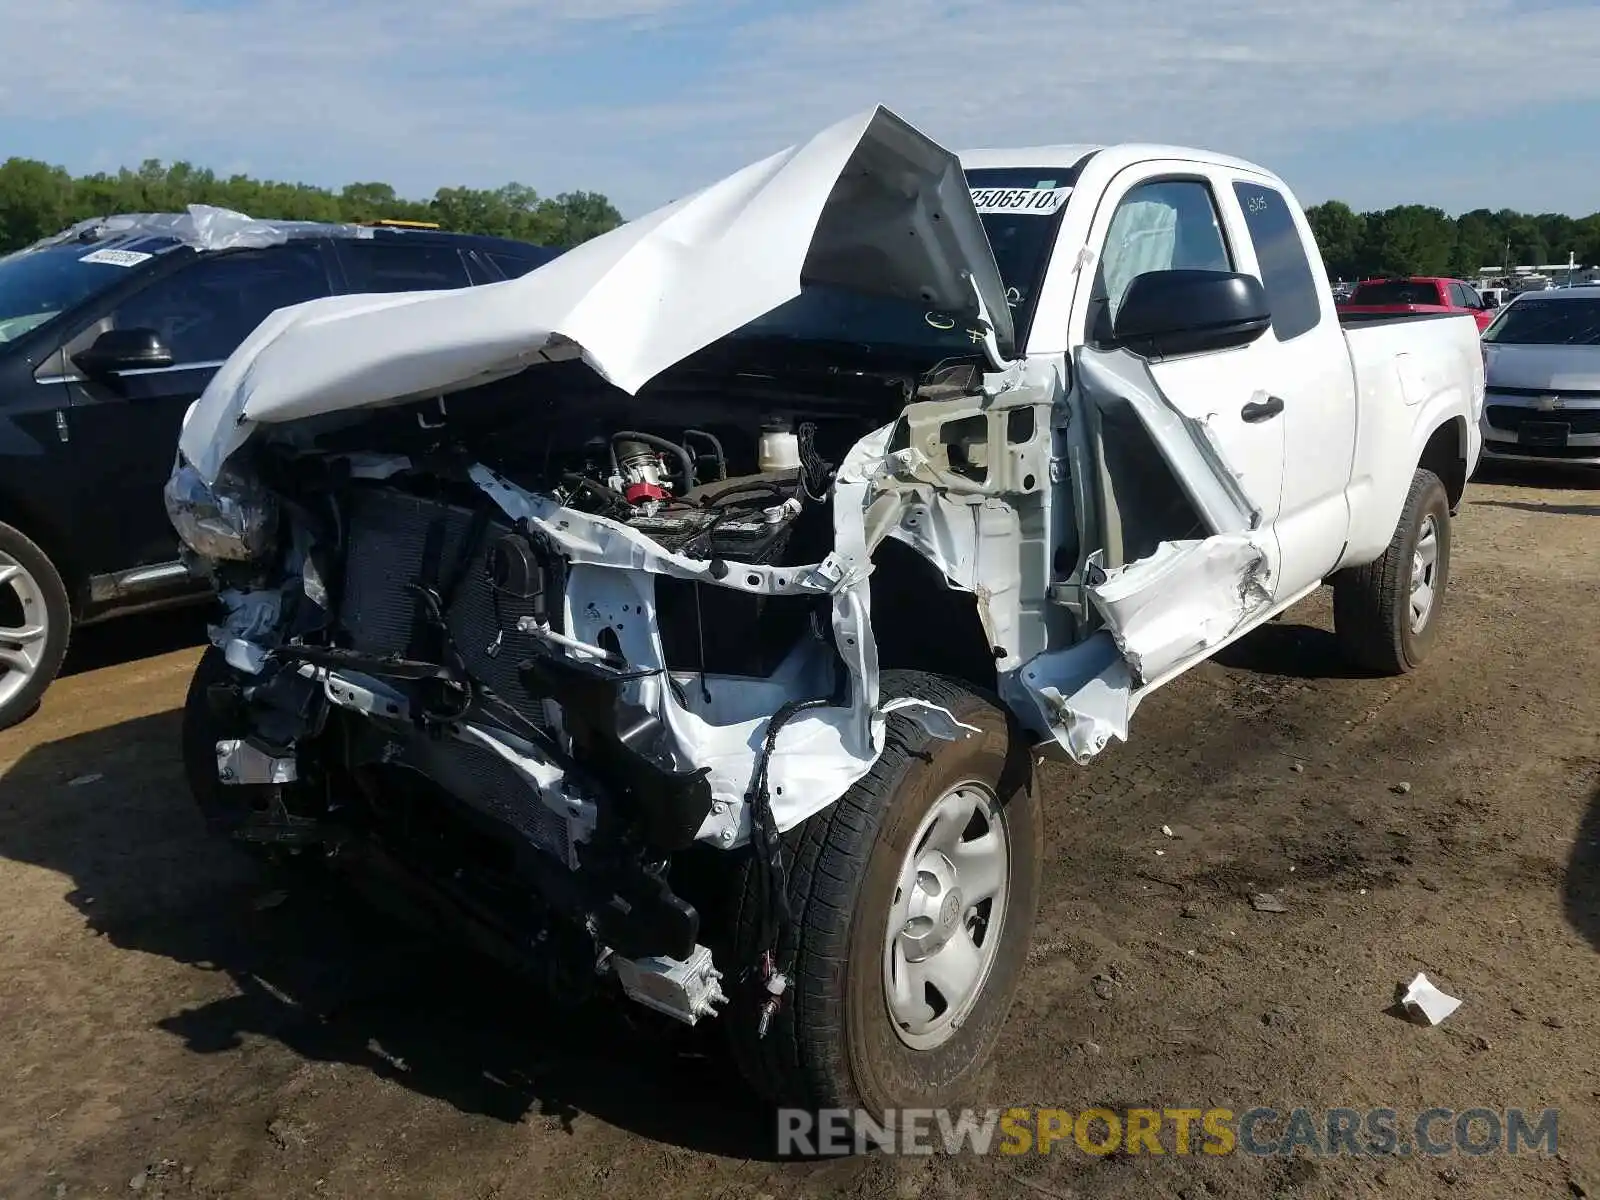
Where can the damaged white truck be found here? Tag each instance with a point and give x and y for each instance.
(688, 614)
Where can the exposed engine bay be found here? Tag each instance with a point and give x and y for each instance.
(551, 683)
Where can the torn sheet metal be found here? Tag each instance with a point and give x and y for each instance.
(1108, 377)
(1080, 697)
(870, 204)
(1183, 600)
(818, 754)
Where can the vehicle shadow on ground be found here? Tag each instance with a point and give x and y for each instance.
(127, 639)
(334, 980)
(1290, 651)
(1545, 476)
(1581, 893)
(1575, 510)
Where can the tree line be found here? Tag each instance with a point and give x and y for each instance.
(37, 200)
(1413, 239)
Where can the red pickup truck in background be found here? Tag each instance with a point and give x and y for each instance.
(1376, 298)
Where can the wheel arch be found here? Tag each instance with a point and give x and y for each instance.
(50, 536)
(1445, 454)
(921, 623)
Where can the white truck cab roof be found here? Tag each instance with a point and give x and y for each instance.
(1115, 156)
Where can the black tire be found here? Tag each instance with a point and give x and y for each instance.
(14, 544)
(832, 1043)
(1372, 603)
(202, 729)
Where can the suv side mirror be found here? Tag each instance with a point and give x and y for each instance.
(1165, 313)
(124, 350)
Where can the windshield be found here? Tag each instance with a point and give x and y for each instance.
(1020, 211)
(1396, 291)
(36, 285)
(1552, 322)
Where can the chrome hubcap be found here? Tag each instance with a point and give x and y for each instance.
(948, 911)
(24, 627)
(1424, 574)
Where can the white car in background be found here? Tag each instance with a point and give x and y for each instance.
(1541, 360)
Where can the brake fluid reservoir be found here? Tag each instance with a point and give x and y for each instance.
(779, 448)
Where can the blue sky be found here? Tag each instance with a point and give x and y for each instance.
(1458, 103)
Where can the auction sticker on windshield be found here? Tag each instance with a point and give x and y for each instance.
(1032, 202)
(117, 258)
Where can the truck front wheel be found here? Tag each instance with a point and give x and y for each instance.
(913, 899)
(1386, 614)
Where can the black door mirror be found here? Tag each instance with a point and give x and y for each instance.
(1166, 313)
(124, 350)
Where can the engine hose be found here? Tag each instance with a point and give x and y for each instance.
(716, 449)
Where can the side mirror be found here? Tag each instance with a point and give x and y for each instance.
(124, 350)
(1166, 313)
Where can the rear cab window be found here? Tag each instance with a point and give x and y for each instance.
(1286, 272)
(1396, 291)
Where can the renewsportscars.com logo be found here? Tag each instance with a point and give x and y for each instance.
(1258, 1132)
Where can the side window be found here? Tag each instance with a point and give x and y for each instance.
(206, 309)
(478, 270)
(1474, 300)
(390, 265)
(513, 265)
(1285, 270)
(1170, 224)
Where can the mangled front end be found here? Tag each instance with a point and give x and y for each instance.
(554, 639)
(544, 643)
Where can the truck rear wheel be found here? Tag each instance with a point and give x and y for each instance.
(35, 625)
(1387, 613)
(913, 898)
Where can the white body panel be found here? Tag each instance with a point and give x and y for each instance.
(1412, 378)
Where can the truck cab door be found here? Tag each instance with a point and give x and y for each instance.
(1185, 447)
(1304, 361)
(125, 417)
(1162, 217)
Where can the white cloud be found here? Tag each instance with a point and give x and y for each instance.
(426, 95)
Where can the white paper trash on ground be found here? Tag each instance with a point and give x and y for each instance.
(1425, 999)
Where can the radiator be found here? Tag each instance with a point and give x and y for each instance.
(388, 531)
(387, 534)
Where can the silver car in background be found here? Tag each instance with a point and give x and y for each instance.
(1541, 359)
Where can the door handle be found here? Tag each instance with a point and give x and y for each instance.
(1268, 408)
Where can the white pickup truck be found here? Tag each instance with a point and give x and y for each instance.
(691, 611)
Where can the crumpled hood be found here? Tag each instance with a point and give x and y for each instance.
(1554, 367)
(870, 204)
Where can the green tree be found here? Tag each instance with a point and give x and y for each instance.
(1339, 232)
(37, 199)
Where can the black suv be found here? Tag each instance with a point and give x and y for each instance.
(108, 332)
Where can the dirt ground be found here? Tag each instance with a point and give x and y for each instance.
(172, 1029)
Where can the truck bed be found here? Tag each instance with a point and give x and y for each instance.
(1365, 317)
(1405, 370)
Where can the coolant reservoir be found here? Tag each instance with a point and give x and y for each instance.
(779, 448)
